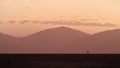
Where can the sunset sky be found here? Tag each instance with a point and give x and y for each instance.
(104, 11)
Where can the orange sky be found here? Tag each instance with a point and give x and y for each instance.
(103, 10)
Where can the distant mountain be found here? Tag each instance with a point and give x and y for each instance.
(7, 42)
(103, 42)
(62, 40)
(52, 40)
(6, 37)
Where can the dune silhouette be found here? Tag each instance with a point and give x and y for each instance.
(62, 40)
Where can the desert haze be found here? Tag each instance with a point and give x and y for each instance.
(62, 40)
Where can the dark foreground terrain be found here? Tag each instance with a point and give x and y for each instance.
(59, 61)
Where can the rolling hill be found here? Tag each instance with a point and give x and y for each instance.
(103, 42)
(7, 43)
(52, 40)
(62, 40)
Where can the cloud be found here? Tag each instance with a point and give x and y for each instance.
(35, 22)
(83, 20)
(24, 21)
(99, 24)
(73, 23)
(1, 22)
(79, 23)
(12, 21)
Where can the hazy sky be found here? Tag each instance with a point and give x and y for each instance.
(102, 10)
